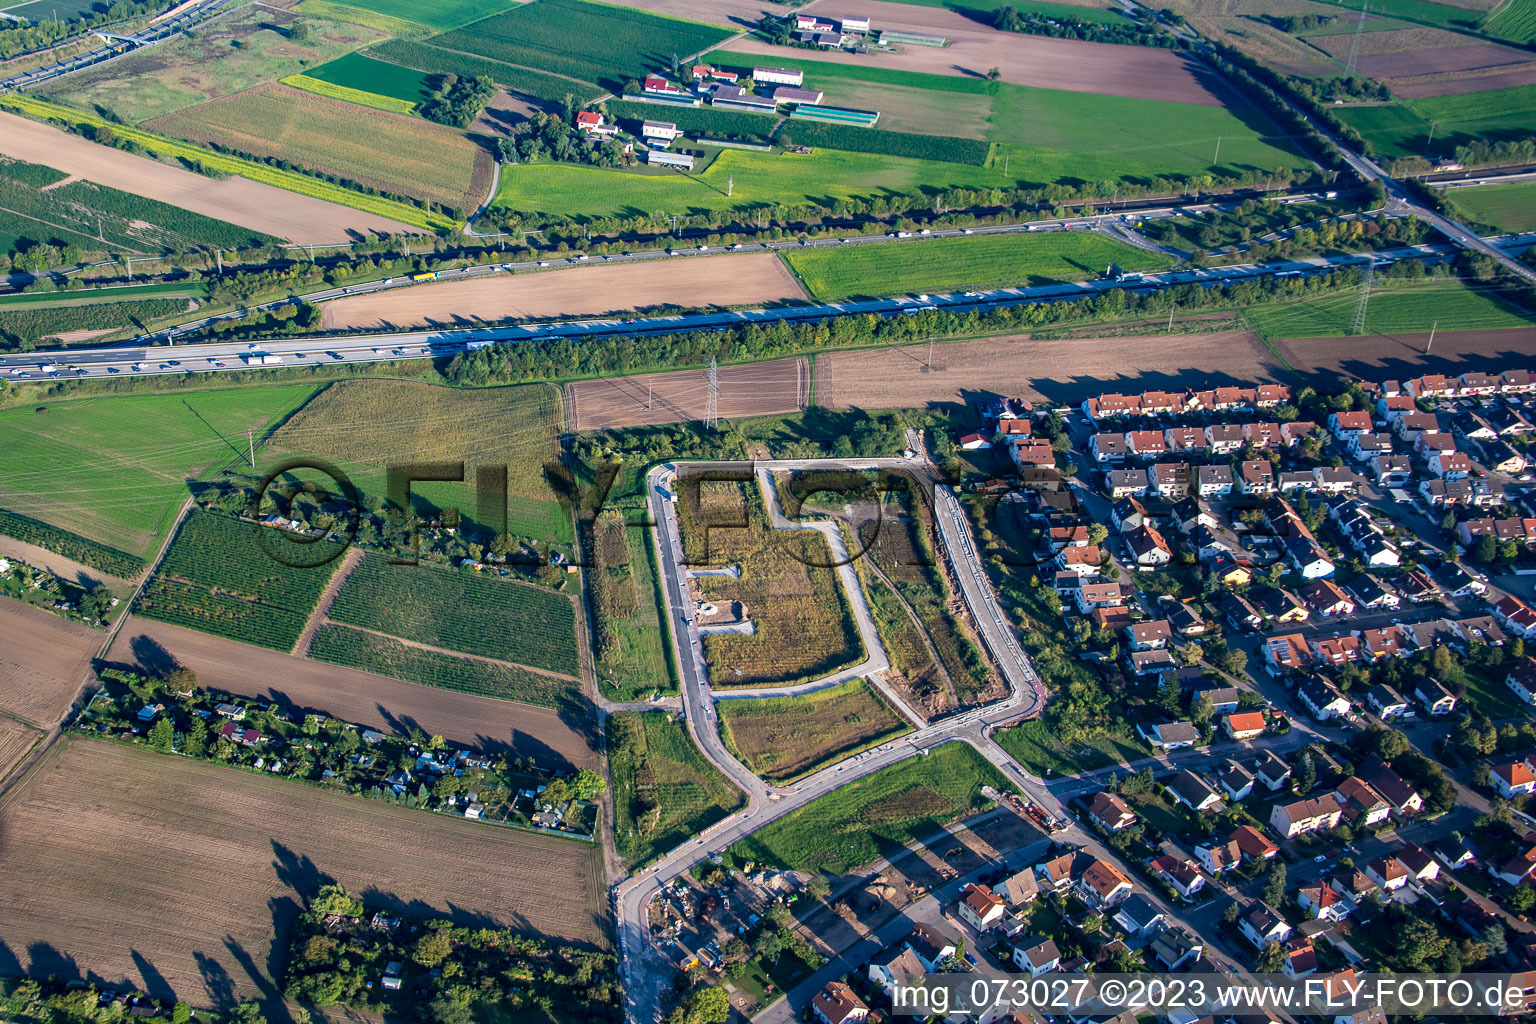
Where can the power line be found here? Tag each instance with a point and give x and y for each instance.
(712, 396)
(1354, 46)
(1365, 299)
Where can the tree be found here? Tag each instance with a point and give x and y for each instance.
(1229, 913)
(994, 74)
(433, 947)
(556, 791)
(436, 742)
(1391, 744)
(181, 1013)
(1486, 549)
(97, 602)
(1203, 708)
(162, 735)
(588, 785)
(334, 899)
(247, 1013)
(1168, 695)
(1521, 898)
(311, 725)
(818, 887)
(181, 679)
(1274, 885)
(195, 742)
(705, 1005)
(1306, 775)
(298, 32)
(1097, 532)
(1271, 958)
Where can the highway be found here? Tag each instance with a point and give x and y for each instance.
(146, 359)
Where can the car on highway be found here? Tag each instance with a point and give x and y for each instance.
(300, 355)
(219, 365)
(110, 369)
(173, 362)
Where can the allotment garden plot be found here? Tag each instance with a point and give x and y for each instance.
(218, 578)
(462, 611)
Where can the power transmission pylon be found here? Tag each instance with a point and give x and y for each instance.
(712, 397)
(1365, 299)
(1354, 46)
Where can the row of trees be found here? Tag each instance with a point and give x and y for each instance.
(1056, 26)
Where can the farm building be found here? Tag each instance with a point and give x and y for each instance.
(827, 39)
(665, 131)
(778, 76)
(591, 121)
(656, 156)
(660, 86)
(734, 96)
(811, 23)
(891, 35)
(791, 95)
(839, 115)
(853, 24)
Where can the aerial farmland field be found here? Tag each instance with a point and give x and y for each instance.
(788, 738)
(362, 425)
(591, 42)
(462, 611)
(986, 261)
(437, 60)
(392, 152)
(44, 662)
(87, 466)
(208, 939)
(439, 15)
(246, 49)
(1457, 306)
(365, 74)
(1510, 207)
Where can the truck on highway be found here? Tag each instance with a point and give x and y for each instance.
(262, 359)
(470, 346)
(140, 367)
(430, 275)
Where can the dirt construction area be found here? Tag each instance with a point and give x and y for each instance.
(1136, 71)
(755, 389)
(378, 702)
(173, 875)
(237, 200)
(570, 291)
(1061, 370)
(43, 662)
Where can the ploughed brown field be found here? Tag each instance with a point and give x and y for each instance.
(728, 13)
(378, 702)
(973, 48)
(43, 662)
(699, 281)
(1420, 62)
(237, 200)
(168, 874)
(1062, 370)
(755, 389)
(16, 740)
(1384, 356)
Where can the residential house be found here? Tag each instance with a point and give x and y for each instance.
(1108, 448)
(1300, 961)
(1123, 482)
(1291, 481)
(1149, 636)
(1176, 948)
(1236, 780)
(1169, 735)
(1345, 425)
(1261, 924)
(1037, 955)
(1422, 867)
(1322, 698)
(896, 966)
(1111, 813)
(1300, 817)
(1367, 448)
(1522, 866)
(1146, 444)
(1244, 726)
(1252, 844)
(1450, 465)
(1128, 514)
(1522, 680)
(1369, 592)
(1256, 476)
(1516, 616)
(1362, 805)
(1082, 561)
(1513, 779)
(1281, 606)
(1150, 663)
(1325, 598)
(1386, 642)
(1219, 857)
(1184, 439)
(1057, 873)
(1147, 547)
(1185, 620)
(1287, 653)
(1224, 699)
(1137, 915)
(836, 1003)
(1090, 595)
(1239, 612)
(1271, 770)
(1391, 785)
(1391, 470)
(1296, 431)
(1331, 480)
(1102, 885)
(1387, 872)
(931, 945)
(1262, 436)
(1308, 558)
(1021, 888)
(1181, 875)
(1213, 480)
(1387, 703)
(1336, 650)
(1435, 699)
(1223, 438)
(1189, 789)
(1322, 902)
(980, 907)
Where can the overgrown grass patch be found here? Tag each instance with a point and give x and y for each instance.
(664, 791)
(787, 738)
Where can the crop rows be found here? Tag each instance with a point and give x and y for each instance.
(70, 545)
(192, 228)
(381, 78)
(341, 645)
(462, 612)
(437, 60)
(220, 614)
(26, 325)
(587, 41)
(1514, 20)
(945, 149)
(331, 90)
(291, 181)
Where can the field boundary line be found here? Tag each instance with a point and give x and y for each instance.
(318, 616)
(455, 654)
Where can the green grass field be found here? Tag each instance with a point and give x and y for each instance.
(1403, 128)
(1101, 15)
(1510, 207)
(365, 74)
(216, 577)
(1394, 308)
(438, 14)
(592, 42)
(437, 60)
(984, 261)
(1424, 12)
(397, 27)
(787, 738)
(340, 92)
(88, 296)
(1514, 20)
(1033, 746)
(461, 611)
(342, 645)
(877, 815)
(116, 469)
(664, 791)
(623, 593)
